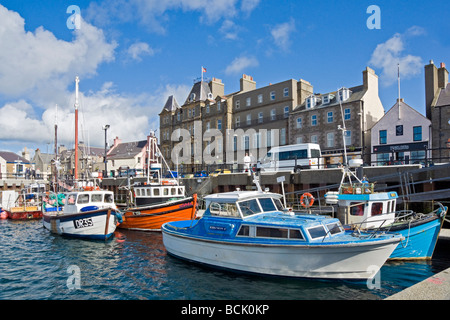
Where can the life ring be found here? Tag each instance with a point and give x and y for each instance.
(305, 198)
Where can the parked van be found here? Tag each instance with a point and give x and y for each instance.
(293, 157)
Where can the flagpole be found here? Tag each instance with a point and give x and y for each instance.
(202, 73)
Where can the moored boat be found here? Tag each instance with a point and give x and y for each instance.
(359, 206)
(86, 214)
(158, 200)
(26, 207)
(251, 231)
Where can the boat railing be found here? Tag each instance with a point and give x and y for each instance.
(357, 188)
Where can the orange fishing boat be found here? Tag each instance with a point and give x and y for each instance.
(152, 217)
(157, 201)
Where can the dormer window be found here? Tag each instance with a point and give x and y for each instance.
(311, 102)
(192, 97)
(326, 99)
(210, 96)
(343, 94)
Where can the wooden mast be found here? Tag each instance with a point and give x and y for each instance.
(77, 80)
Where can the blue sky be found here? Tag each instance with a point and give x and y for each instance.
(131, 55)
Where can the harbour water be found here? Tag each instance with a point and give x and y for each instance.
(38, 265)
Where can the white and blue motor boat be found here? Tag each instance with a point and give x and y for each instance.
(86, 214)
(251, 232)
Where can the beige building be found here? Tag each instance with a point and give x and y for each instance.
(437, 97)
(203, 118)
(318, 118)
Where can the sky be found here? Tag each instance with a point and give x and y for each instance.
(132, 55)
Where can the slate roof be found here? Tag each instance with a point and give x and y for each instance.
(444, 97)
(11, 157)
(356, 94)
(171, 104)
(201, 91)
(126, 150)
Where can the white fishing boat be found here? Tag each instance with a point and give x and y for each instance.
(86, 214)
(89, 213)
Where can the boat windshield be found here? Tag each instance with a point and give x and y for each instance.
(258, 205)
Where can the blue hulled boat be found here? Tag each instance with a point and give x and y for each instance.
(359, 206)
(251, 231)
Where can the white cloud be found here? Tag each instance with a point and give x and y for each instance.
(388, 55)
(38, 70)
(139, 49)
(249, 5)
(43, 60)
(154, 13)
(239, 64)
(281, 34)
(229, 30)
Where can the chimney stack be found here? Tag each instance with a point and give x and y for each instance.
(442, 76)
(431, 86)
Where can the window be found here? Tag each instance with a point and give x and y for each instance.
(347, 114)
(244, 231)
(348, 137)
(207, 108)
(286, 92)
(383, 136)
(314, 138)
(83, 198)
(334, 228)
(273, 114)
(286, 112)
(271, 232)
(330, 139)
(249, 119)
(156, 192)
(238, 104)
(223, 209)
(283, 136)
(97, 198)
(208, 126)
(248, 102)
(399, 130)
(219, 124)
(260, 98)
(109, 198)
(249, 207)
(330, 117)
(317, 232)
(178, 116)
(299, 140)
(377, 208)
(260, 117)
(219, 105)
(356, 209)
(238, 121)
(417, 131)
(314, 120)
(272, 95)
(299, 123)
(267, 204)
(325, 99)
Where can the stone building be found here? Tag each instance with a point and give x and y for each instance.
(319, 118)
(437, 102)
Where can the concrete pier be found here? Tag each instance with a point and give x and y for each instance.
(436, 287)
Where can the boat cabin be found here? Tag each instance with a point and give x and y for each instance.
(264, 218)
(88, 200)
(151, 194)
(359, 206)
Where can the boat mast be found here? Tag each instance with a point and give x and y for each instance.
(77, 80)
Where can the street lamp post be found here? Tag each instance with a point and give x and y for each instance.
(106, 127)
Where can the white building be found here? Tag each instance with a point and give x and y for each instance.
(401, 136)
